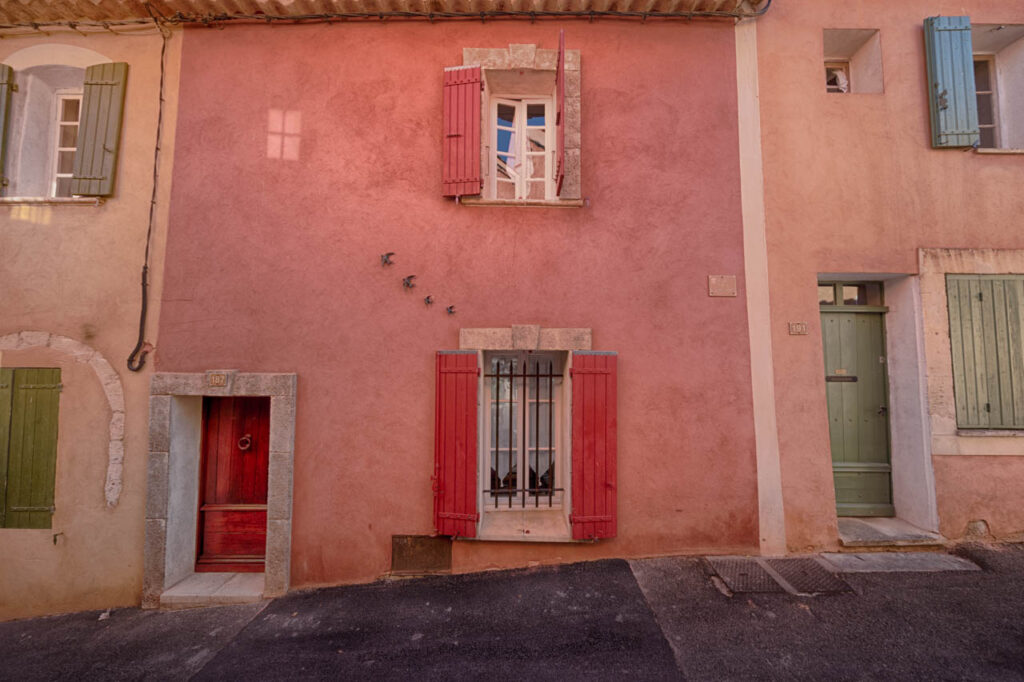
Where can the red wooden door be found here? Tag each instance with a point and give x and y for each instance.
(233, 484)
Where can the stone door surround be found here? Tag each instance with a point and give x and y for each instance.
(175, 434)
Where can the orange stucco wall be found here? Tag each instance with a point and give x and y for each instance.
(273, 265)
(852, 185)
(72, 273)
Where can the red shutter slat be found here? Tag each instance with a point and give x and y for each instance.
(560, 115)
(461, 144)
(594, 436)
(455, 444)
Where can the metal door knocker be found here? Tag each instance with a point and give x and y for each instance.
(245, 442)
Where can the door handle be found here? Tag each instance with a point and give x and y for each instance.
(245, 442)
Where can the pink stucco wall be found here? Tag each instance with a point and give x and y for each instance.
(273, 266)
(852, 185)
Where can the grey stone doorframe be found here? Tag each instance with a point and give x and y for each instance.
(175, 434)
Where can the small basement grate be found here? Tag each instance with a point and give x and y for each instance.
(744, 574)
(808, 576)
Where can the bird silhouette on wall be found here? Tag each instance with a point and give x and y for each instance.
(385, 258)
(407, 282)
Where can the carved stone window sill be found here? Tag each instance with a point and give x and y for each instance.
(51, 201)
(557, 203)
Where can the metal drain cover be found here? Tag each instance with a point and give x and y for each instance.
(807, 576)
(743, 574)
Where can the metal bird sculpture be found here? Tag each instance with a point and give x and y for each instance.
(385, 258)
(450, 310)
(407, 282)
(428, 300)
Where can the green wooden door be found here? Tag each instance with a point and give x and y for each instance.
(858, 412)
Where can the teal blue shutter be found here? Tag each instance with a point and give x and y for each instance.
(985, 324)
(99, 131)
(952, 96)
(6, 87)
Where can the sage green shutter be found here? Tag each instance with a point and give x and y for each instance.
(99, 131)
(985, 324)
(6, 88)
(32, 448)
(6, 389)
(952, 96)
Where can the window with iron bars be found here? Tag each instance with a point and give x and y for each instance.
(522, 431)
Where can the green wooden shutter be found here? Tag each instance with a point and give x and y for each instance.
(6, 389)
(6, 88)
(985, 325)
(99, 132)
(951, 92)
(32, 449)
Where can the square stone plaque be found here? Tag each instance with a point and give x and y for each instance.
(721, 285)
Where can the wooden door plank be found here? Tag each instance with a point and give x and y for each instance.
(6, 391)
(978, 340)
(956, 343)
(1003, 412)
(848, 356)
(1014, 315)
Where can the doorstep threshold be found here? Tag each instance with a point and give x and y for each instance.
(885, 533)
(213, 589)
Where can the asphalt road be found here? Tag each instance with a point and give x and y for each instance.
(660, 619)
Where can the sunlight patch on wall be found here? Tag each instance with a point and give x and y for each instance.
(39, 215)
(284, 128)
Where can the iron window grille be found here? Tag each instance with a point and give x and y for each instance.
(523, 394)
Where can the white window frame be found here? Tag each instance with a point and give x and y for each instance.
(560, 394)
(61, 96)
(520, 128)
(993, 94)
(840, 66)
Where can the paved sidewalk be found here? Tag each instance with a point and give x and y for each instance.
(656, 619)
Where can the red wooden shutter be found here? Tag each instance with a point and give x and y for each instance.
(461, 131)
(594, 429)
(560, 115)
(455, 444)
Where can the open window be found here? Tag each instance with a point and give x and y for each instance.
(60, 129)
(975, 83)
(525, 445)
(512, 133)
(853, 60)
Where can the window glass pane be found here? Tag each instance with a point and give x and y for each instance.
(68, 135)
(541, 422)
(506, 115)
(837, 78)
(535, 136)
(63, 187)
(982, 80)
(537, 190)
(988, 138)
(853, 294)
(535, 114)
(985, 110)
(65, 162)
(506, 190)
(826, 294)
(535, 166)
(873, 293)
(862, 294)
(69, 110)
(542, 470)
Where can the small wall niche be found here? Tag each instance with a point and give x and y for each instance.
(852, 60)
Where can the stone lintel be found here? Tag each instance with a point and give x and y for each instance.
(526, 337)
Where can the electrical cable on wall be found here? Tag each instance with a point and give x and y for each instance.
(137, 358)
